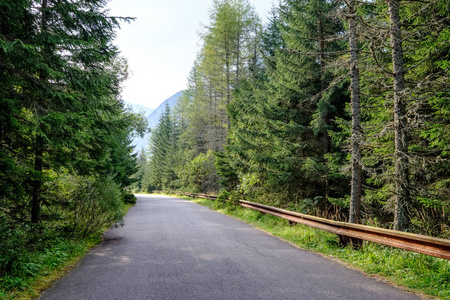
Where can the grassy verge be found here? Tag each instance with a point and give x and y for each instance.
(48, 265)
(416, 272)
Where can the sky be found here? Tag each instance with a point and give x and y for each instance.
(162, 44)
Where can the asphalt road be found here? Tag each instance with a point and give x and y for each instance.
(175, 249)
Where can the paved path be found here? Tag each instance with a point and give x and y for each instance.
(175, 249)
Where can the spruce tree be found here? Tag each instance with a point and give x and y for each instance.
(304, 98)
(399, 81)
(62, 81)
(162, 154)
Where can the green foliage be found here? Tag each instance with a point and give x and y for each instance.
(228, 176)
(199, 175)
(426, 85)
(228, 56)
(77, 210)
(129, 198)
(279, 141)
(86, 205)
(139, 175)
(64, 134)
(31, 251)
(60, 100)
(160, 170)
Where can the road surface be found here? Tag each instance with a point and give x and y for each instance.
(175, 249)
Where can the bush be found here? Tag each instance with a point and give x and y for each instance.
(73, 207)
(13, 242)
(19, 245)
(98, 203)
(129, 198)
(85, 205)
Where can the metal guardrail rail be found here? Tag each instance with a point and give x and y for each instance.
(408, 241)
(404, 240)
(211, 197)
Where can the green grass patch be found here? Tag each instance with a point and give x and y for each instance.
(417, 272)
(39, 269)
(35, 271)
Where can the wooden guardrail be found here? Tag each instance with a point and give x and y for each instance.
(404, 240)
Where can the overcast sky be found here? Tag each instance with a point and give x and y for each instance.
(162, 43)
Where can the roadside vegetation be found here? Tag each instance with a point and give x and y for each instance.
(415, 272)
(36, 268)
(32, 257)
(65, 154)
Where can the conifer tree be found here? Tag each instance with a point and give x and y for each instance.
(304, 100)
(62, 80)
(228, 57)
(356, 133)
(398, 90)
(160, 171)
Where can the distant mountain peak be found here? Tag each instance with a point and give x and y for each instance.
(153, 119)
(138, 108)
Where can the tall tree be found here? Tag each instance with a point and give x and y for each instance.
(160, 172)
(229, 56)
(356, 134)
(306, 99)
(399, 84)
(64, 86)
(400, 122)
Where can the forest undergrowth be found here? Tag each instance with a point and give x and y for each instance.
(37, 256)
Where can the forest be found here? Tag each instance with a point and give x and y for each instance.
(334, 108)
(65, 154)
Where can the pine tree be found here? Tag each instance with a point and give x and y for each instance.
(399, 92)
(356, 134)
(304, 98)
(62, 81)
(160, 172)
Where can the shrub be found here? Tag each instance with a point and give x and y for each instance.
(129, 198)
(97, 204)
(84, 205)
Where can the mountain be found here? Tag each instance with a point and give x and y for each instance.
(153, 120)
(154, 117)
(138, 108)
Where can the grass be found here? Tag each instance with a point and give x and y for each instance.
(46, 266)
(416, 272)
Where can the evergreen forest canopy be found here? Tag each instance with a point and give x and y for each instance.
(65, 157)
(337, 108)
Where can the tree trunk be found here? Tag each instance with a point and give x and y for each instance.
(238, 52)
(227, 70)
(326, 141)
(37, 183)
(400, 122)
(38, 160)
(355, 200)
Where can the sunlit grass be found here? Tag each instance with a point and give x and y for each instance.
(417, 272)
